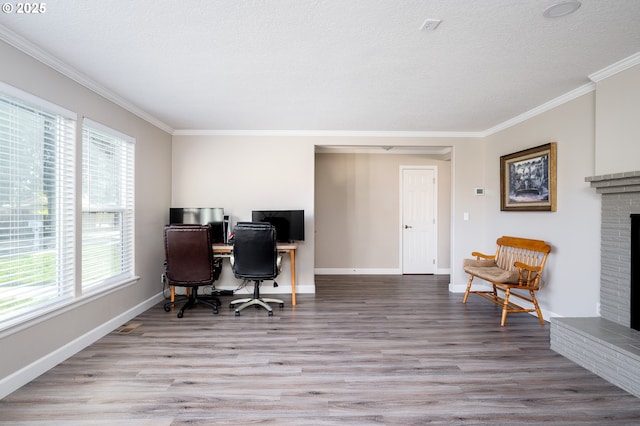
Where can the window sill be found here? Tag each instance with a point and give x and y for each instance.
(67, 306)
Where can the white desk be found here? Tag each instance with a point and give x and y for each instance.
(283, 248)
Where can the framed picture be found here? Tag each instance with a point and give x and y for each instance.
(528, 179)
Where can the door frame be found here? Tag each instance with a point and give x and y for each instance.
(401, 211)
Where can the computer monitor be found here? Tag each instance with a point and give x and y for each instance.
(289, 224)
(213, 216)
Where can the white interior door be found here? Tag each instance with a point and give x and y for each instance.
(418, 215)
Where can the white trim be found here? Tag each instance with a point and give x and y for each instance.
(33, 100)
(106, 129)
(460, 288)
(328, 133)
(26, 374)
(382, 150)
(615, 68)
(60, 308)
(47, 59)
(267, 288)
(569, 96)
(372, 271)
(357, 271)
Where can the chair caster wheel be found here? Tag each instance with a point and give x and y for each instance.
(270, 313)
(180, 314)
(167, 308)
(237, 313)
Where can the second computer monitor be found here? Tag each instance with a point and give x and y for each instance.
(289, 224)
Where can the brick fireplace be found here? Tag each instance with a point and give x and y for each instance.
(620, 200)
(608, 345)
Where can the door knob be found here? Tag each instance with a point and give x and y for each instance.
(407, 226)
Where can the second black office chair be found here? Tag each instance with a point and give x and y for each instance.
(255, 258)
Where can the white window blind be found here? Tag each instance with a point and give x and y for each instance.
(107, 207)
(37, 220)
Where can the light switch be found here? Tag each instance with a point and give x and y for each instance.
(465, 216)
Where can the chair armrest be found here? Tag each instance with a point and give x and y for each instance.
(479, 255)
(529, 275)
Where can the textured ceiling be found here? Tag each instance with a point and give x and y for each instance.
(331, 65)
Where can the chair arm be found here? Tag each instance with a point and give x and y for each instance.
(479, 255)
(532, 274)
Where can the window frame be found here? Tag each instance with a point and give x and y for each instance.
(72, 243)
(61, 291)
(127, 275)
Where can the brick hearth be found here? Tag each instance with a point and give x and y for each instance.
(607, 345)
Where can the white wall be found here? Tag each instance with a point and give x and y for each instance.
(618, 123)
(38, 346)
(358, 204)
(572, 278)
(241, 174)
(467, 173)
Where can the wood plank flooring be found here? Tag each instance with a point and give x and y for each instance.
(364, 350)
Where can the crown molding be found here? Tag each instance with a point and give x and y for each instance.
(327, 133)
(569, 96)
(615, 68)
(612, 69)
(385, 150)
(49, 60)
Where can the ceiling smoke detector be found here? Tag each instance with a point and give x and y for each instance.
(562, 8)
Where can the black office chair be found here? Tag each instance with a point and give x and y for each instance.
(255, 258)
(189, 263)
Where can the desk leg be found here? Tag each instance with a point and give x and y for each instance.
(292, 255)
(173, 293)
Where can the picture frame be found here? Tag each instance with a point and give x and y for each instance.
(528, 179)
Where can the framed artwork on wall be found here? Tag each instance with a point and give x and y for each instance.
(528, 179)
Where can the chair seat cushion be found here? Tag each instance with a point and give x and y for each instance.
(493, 274)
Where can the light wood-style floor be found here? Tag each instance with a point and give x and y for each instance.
(364, 350)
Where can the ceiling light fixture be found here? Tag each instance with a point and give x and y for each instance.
(562, 8)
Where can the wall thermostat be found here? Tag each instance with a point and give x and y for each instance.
(479, 191)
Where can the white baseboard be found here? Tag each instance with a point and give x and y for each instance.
(357, 271)
(461, 288)
(370, 271)
(269, 289)
(26, 374)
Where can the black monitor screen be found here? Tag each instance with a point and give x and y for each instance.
(200, 216)
(289, 224)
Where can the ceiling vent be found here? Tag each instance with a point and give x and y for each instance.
(430, 24)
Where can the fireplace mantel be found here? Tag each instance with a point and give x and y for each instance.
(615, 183)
